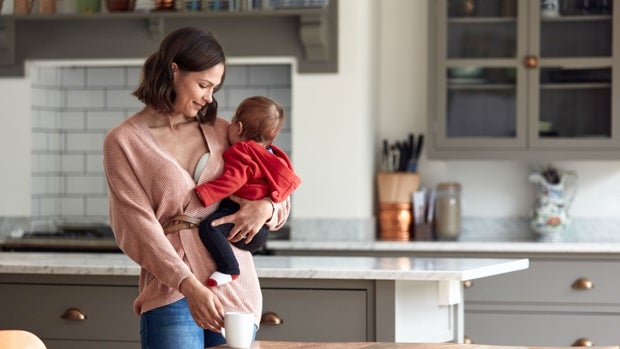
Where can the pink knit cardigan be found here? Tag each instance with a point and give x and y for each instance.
(147, 187)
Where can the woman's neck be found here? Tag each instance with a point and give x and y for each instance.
(155, 119)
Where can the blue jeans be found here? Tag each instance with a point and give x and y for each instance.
(172, 327)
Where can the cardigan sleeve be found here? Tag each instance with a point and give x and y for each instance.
(132, 217)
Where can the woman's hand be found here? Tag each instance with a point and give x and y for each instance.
(204, 306)
(251, 216)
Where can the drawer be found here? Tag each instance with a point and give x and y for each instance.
(550, 281)
(316, 315)
(541, 329)
(38, 308)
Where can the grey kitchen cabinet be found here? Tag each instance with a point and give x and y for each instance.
(318, 310)
(312, 310)
(556, 302)
(508, 81)
(72, 311)
(562, 299)
(309, 34)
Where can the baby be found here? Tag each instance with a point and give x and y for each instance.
(253, 169)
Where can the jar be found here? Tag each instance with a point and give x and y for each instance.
(448, 211)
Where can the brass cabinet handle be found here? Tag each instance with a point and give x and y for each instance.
(583, 342)
(467, 340)
(468, 283)
(271, 318)
(73, 314)
(530, 62)
(582, 284)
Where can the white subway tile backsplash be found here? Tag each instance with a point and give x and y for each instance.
(105, 77)
(49, 207)
(39, 141)
(84, 185)
(72, 163)
(72, 120)
(73, 108)
(237, 95)
(38, 96)
(85, 98)
(269, 75)
(236, 76)
(94, 163)
(84, 142)
(46, 163)
(47, 184)
(282, 95)
(122, 98)
(48, 76)
(73, 77)
(55, 142)
(72, 206)
(97, 206)
(283, 141)
(104, 120)
(55, 98)
(48, 119)
(133, 77)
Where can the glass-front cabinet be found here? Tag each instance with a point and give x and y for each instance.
(524, 77)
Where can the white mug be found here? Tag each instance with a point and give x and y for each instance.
(238, 329)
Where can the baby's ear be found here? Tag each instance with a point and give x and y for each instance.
(240, 128)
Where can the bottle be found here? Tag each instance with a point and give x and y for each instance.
(448, 211)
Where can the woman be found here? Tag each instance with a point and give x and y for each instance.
(153, 161)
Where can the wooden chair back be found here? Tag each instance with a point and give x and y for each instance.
(19, 339)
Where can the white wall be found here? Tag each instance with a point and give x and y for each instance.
(379, 91)
(333, 136)
(15, 147)
(335, 149)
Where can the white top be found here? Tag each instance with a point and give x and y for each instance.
(365, 268)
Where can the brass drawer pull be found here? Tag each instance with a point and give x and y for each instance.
(583, 342)
(271, 318)
(583, 284)
(530, 62)
(74, 314)
(468, 283)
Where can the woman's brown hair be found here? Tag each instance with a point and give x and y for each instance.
(262, 119)
(192, 50)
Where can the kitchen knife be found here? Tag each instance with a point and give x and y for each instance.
(418, 149)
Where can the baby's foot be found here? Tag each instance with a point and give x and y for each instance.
(219, 279)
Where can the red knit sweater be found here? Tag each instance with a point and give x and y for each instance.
(251, 172)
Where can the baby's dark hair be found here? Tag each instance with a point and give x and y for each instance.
(262, 119)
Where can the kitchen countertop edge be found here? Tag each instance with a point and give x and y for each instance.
(295, 267)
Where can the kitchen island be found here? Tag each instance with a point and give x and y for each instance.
(568, 295)
(85, 299)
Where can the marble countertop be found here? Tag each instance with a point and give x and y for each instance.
(449, 246)
(367, 268)
(579, 239)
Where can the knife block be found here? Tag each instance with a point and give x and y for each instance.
(395, 204)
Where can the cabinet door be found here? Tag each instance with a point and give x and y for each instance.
(316, 315)
(512, 80)
(571, 96)
(541, 328)
(108, 312)
(479, 80)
